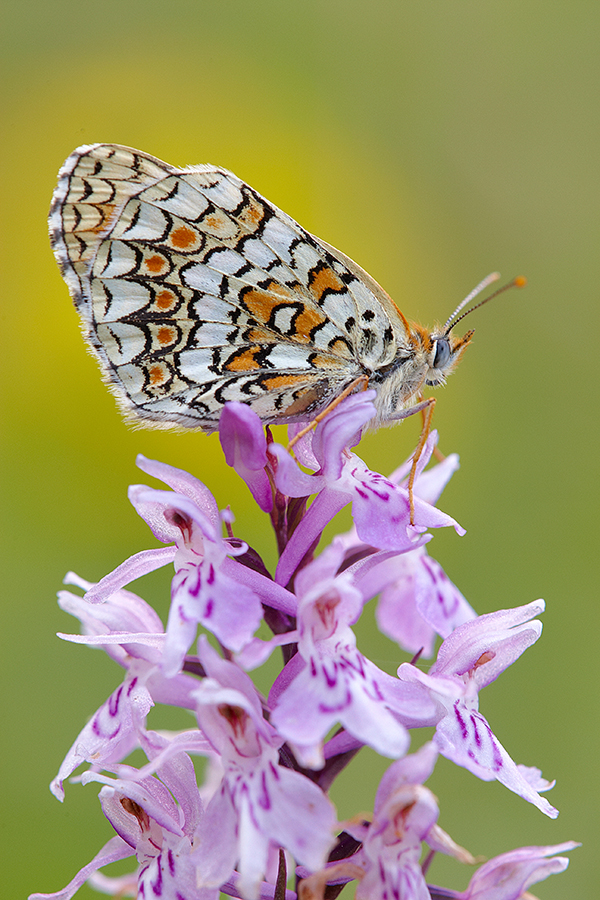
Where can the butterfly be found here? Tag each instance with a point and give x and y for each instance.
(194, 290)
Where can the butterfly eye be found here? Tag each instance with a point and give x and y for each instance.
(442, 353)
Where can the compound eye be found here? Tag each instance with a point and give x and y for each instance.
(442, 353)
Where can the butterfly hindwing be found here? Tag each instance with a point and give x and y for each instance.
(195, 290)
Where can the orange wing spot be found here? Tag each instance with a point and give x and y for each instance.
(261, 304)
(183, 237)
(282, 381)
(158, 375)
(218, 224)
(306, 322)
(244, 361)
(282, 291)
(325, 279)
(322, 361)
(156, 264)
(165, 300)
(166, 335)
(252, 214)
(259, 336)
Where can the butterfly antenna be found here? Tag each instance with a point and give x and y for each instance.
(519, 281)
(493, 276)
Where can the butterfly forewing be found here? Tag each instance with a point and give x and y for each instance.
(195, 290)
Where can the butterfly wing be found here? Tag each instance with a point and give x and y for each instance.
(194, 290)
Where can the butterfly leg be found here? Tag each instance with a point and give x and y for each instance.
(361, 382)
(436, 451)
(425, 407)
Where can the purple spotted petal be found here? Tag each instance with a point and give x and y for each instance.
(418, 602)
(340, 429)
(182, 483)
(137, 565)
(470, 658)
(486, 646)
(508, 876)
(244, 444)
(111, 733)
(465, 737)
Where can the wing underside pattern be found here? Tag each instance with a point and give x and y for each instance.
(195, 290)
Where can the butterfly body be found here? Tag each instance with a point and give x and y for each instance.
(194, 290)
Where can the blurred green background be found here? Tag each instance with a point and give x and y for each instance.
(432, 141)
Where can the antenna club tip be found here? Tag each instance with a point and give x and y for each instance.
(520, 281)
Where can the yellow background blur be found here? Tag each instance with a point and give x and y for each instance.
(433, 141)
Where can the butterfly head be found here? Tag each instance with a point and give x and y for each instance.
(444, 353)
(436, 353)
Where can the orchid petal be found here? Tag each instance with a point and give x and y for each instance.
(245, 447)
